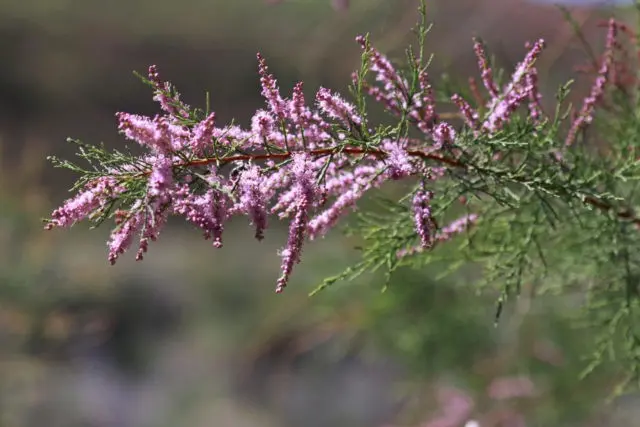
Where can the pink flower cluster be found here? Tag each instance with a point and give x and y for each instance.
(585, 116)
(503, 103)
(309, 163)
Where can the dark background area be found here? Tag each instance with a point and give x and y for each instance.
(195, 336)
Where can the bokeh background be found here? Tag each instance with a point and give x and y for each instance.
(194, 336)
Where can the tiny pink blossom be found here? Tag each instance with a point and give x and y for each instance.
(306, 191)
(270, 90)
(585, 115)
(251, 199)
(348, 190)
(422, 217)
(399, 163)
(262, 124)
(502, 106)
(171, 104)
(206, 211)
(394, 86)
(535, 106)
(299, 114)
(457, 226)
(154, 221)
(122, 236)
(161, 178)
(336, 107)
(157, 134)
(485, 69)
(443, 135)
(95, 196)
(469, 114)
(203, 134)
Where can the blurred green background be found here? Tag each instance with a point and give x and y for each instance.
(195, 336)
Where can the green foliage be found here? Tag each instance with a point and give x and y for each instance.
(564, 227)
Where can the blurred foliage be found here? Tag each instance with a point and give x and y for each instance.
(195, 336)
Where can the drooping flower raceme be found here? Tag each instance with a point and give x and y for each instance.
(422, 217)
(96, 195)
(305, 192)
